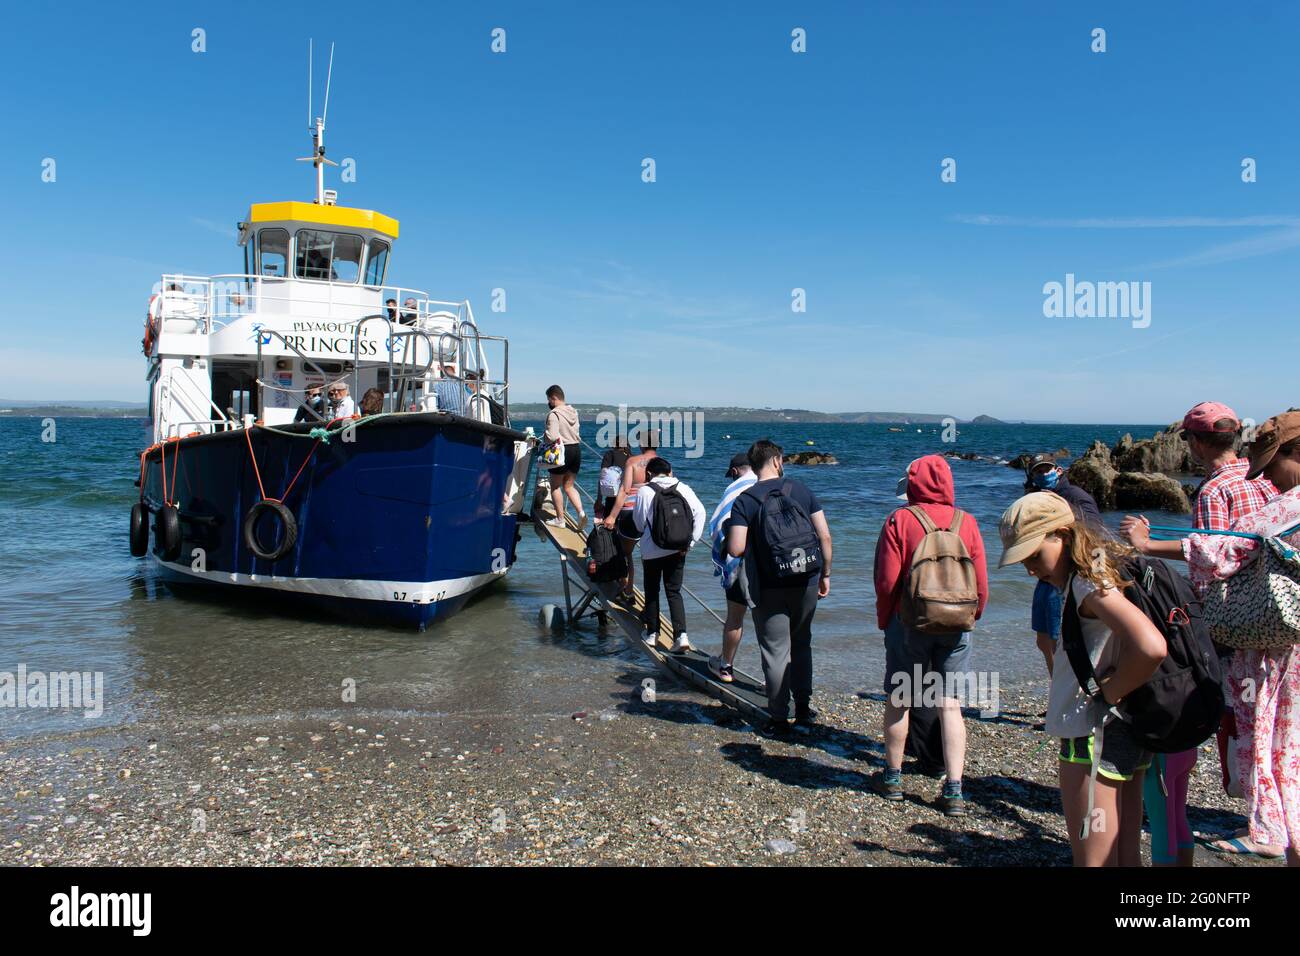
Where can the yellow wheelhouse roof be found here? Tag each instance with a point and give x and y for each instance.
(342, 216)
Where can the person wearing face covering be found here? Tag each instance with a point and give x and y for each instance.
(1043, 474)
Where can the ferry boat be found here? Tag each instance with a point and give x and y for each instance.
(393, 492)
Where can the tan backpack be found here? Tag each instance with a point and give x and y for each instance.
(940, 594)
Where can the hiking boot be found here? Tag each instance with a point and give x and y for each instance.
(777, 730)
(721, 670)
(952, 802)
(890, 785)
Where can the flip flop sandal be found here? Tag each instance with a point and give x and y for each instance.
(1238, 848)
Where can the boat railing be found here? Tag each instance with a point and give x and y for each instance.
(200, 304)
(203, 426)
(406, 373)
(472, 372)
(264, 337)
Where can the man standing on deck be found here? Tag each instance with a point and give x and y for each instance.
(450, 392)
(620, 515)
(777, 525)
(730, 569)
(341, 403)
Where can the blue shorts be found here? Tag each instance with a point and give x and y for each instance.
(1045, 618)
(911, 654)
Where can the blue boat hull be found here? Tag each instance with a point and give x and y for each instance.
(403, 524)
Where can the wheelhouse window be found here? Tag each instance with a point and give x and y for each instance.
(330, 256)
(273, 252)
(376, 262)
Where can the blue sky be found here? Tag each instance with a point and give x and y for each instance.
(775, 170)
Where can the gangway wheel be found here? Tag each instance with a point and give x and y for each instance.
(551, 618)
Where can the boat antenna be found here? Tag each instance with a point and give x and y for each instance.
(317, 127)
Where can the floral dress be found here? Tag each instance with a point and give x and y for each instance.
(1265, 684)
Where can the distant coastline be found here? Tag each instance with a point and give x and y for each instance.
(71, 411)
(794, 415)
(19, 408)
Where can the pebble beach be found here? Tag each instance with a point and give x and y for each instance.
(677, 781)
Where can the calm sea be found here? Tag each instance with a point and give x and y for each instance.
(72, 597)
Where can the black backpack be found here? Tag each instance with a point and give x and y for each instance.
(788, 546)
(672, 526)
(605, 559)
(1181, 705)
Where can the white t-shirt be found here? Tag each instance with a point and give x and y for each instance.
(1070, 712)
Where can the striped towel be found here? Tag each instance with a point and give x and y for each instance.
(723, 563)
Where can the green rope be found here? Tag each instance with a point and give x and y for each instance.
(323, 434)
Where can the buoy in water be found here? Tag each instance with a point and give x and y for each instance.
(551, 618)
(810, 443)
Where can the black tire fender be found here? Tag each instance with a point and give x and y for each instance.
(167, 532)
(139, 529)
(287, 541)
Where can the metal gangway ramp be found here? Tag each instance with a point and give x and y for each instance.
(745, 694)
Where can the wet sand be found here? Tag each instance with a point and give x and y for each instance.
(676, 781)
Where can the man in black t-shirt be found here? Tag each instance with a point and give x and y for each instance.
(782, 606)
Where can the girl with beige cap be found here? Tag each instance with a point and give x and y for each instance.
(1103, 812)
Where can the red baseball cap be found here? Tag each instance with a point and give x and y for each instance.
(1211, 417)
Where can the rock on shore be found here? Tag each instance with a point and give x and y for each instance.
(811, 458)
(1135, 474)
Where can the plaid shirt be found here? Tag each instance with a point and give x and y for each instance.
(1223, 498)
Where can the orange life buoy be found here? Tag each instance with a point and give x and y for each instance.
(150, 324)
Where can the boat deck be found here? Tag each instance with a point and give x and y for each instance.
(745, 694)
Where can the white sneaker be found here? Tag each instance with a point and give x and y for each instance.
(582, 520)
(650, 640)
(682, 644)
(556, 522)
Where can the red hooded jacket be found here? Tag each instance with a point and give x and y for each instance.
(929, 484)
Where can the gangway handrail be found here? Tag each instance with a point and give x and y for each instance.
(590, 498)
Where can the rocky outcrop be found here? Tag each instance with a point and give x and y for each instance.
(1131, 476)
(1135, 491)
(1094, 473)
(1165, 452)
(811, 458)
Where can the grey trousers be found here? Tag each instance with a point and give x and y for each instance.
(783, 624)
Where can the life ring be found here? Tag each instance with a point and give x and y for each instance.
(139, 529)
(151, 324)
(167, 532)
(286, 518)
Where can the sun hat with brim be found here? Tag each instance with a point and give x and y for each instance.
(1269, 437)
(1027, 522)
